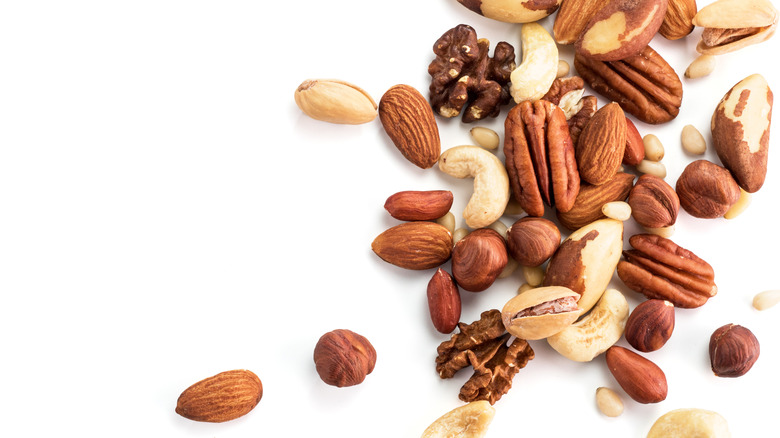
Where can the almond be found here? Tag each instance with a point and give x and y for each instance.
(414, 245)
(678, 19)
(601, 145)
(621, 29)
(414, 205)
(590, 199)
(443, 301)
(639, 377)
(409, 122)
(572, 17)
(223, 397)
(635, 148)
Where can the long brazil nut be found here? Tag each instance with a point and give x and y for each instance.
(491, 183)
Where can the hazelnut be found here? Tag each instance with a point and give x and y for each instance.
(706, 190)
(650, 325)
(478, 259)
(654, 203)
(532, 240)
(344, 358)
(733, 350)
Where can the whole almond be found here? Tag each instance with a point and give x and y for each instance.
(335, 101)
(677, 21)
(443, 301)
(223, 397)
(601, 145)
(414, 245)
(590, 200)
(640, 378)
(621, 29)
(572, 17)
(418, 205)
(408, 120)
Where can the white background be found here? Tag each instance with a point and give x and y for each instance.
(167, 213)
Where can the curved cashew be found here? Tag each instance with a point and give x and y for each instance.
(596, 332)
(533, 77)
(491, 183)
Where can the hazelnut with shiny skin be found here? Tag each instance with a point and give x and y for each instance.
(733, 350)
(344, 358)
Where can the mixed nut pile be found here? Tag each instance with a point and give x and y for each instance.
(562, 154)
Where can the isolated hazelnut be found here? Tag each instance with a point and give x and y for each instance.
(733, 350)
(344, 358)
(532, 240)
(650, 325)
(654, 203)
(478, 259)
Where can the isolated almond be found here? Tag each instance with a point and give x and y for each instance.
(639, 377)
(622, 28)
(601, 145)
(414, 245)
(223, 397)
(409, 122)
(443, 301)
(677, 21)
(335, 101)
(419, 205)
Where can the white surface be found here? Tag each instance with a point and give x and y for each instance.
(168, 213)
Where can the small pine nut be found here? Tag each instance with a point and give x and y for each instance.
(447, 221)
(459, 234)
(740, 206)
(654, 149)
(700, 67)
(766, 299)
(692, 140)
(663, 232)
(563, 68)
(655, 168)
(499, 227)
(534, 276)
(524, 287)
(609, 402)
(617, 210)
(513, 208)
(485, 137)
(509, 269)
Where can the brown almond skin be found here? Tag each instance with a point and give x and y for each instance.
(415, 205)
(650, 325)
(444, 302)
(587, 205)
(408, 120)
(706, 190)
(733, 350)
(223, 397)
(572, 17)
(639, 377)
(478, 258)
(531, 241)
(635, 148)
(642, 20)
(678, 21)
(414, 245)
(601, 145)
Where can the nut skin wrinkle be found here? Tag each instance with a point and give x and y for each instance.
(491, 182)
(690, 422)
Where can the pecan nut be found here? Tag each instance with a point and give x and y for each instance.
(540, 157)
(462, 74)
(567, 94)
(644, 85)
(588, 107)
(483, 345)
(660, 269)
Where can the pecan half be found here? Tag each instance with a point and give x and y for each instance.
(588, 106)
(644, 85)
(462, 74)
(540, 158)
(483, 345)
(660, 269)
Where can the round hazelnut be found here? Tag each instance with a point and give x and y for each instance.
(706, 190)
(478, 259)
(344, 358)
(532, 240)
(733, 350)
(650, 325)
(654, 203)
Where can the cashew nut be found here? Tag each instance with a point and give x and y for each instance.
(491, 183)
(690, 422)
(533, 77)
(596, 331)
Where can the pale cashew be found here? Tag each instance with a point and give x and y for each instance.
(690, 422)
(491, 183)
(596, 331)
(533, 77)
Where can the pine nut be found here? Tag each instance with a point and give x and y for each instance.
(700, 67)
(485, 137)
(654, 149)
(692, 140)
(617, 210)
